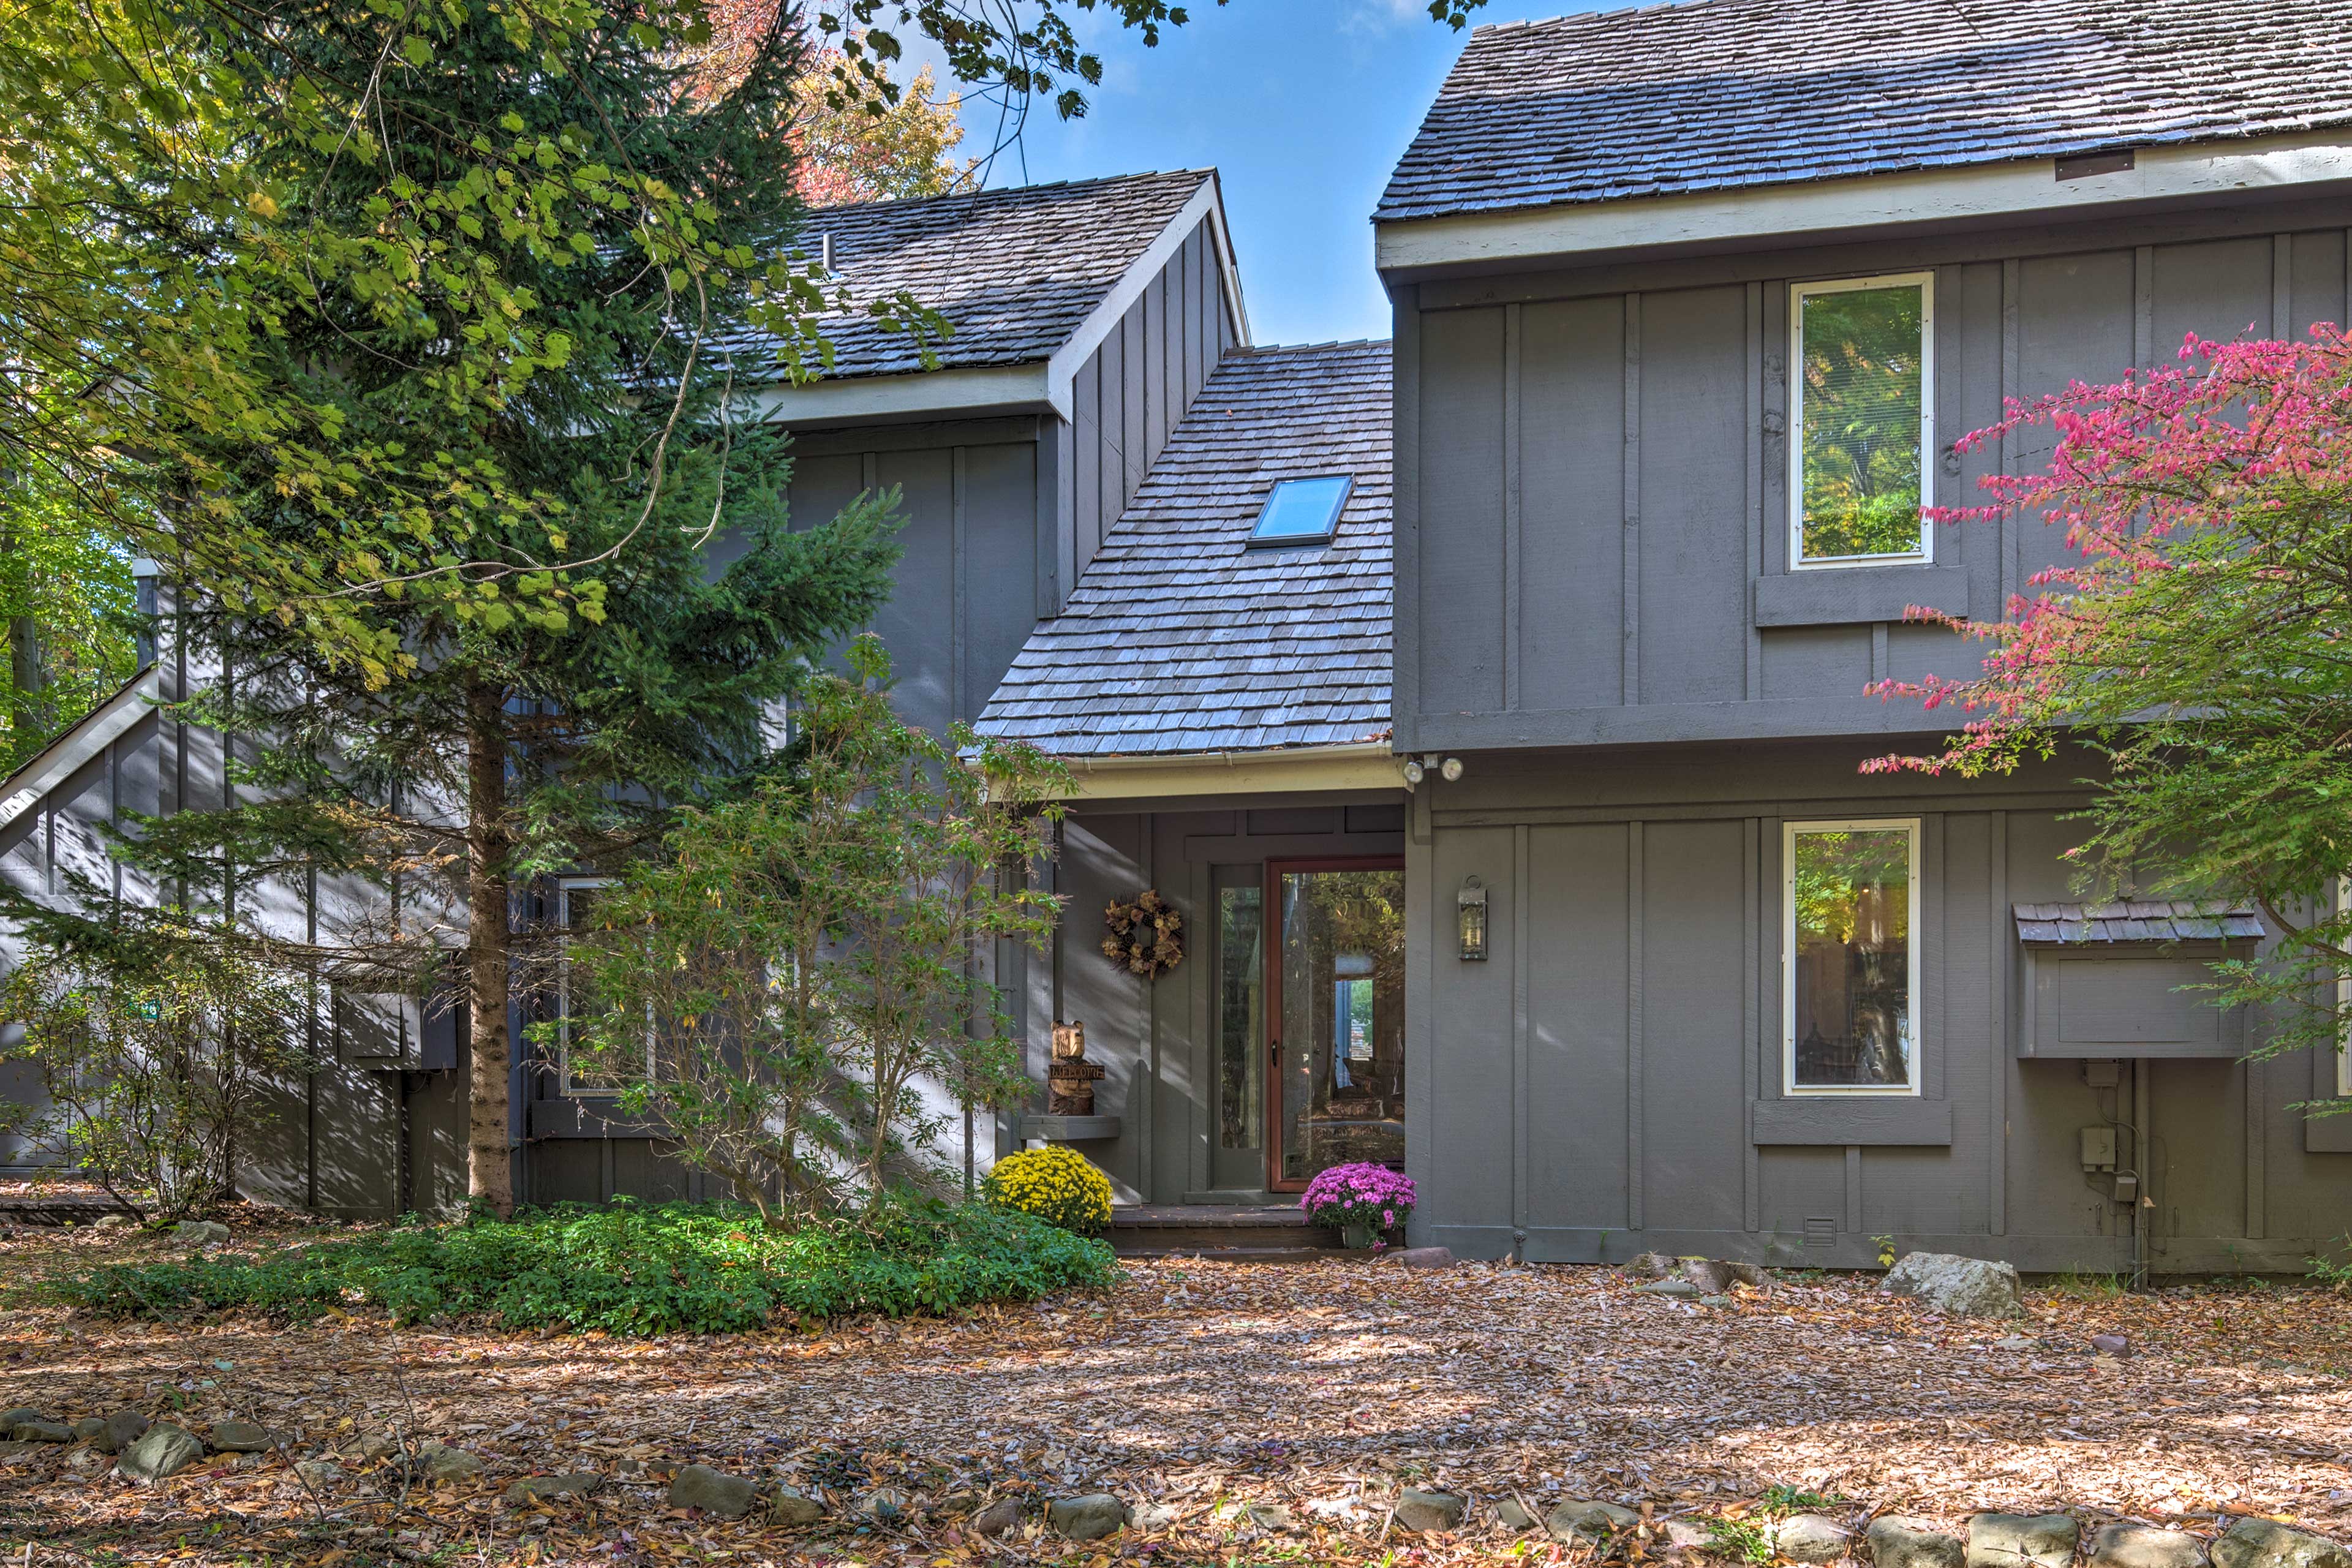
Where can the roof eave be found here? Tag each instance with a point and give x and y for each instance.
(1759, 217)
(1287, 770)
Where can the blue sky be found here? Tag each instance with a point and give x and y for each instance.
(1303, 106)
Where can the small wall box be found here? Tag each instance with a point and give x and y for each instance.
(2123, 980)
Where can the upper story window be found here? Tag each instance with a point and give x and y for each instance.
(1863, 350)
(1302, 511)
(1850, 947)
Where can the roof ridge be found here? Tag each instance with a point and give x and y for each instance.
(900, 204)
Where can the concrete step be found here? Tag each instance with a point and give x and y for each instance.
(1155, 1230)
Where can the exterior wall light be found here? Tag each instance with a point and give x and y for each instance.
(1450, 770)
(1413, 770)
(1472, 903)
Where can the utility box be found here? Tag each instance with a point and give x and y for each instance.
(2098, 1148)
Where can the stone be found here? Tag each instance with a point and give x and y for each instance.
(162, 1451)
(2111, 1345)
(1271, 1516)
(884, 1505)
(1716, 1276)
(1716, 1301)
(1899, 1542)
(319, 1474)
(123, 1428)
(377, 1446)
(242, 1438)
(1688, 1535)
(1087, 1517)
(89, 1428)
(41, 1432)
(1963, 1286)
(530, 1489)
(1683, 1288)
(2021, 1540)
(1514, 1514)
(1648, 1266)
(116, 1221)
(201, 1232)
(1417, 1510)
(2260, 1543)
(1422, 1257)
(2013, 1342)
(438, 1463)
(11, 1418)
(955, 1505)
(998, 1517)
(1153, 1518)
(2123, 1546)
(790, 1506)
(1809, 1538)
(1579, 1519)
(712, 1492)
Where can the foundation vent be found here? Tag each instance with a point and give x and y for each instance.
(1820, 1232)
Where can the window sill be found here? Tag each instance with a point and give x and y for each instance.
(2329, 1134)
(1852, 595)
(1886, 1121)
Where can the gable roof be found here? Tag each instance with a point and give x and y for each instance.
(1180, 639)
(1017, 272)
(1728, 94)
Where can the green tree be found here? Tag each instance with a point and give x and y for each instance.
(67, 611)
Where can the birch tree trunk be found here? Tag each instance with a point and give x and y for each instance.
(489, 1168)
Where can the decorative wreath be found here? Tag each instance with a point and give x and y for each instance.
(1147, 937)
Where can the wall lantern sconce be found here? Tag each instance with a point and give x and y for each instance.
(1472, 902)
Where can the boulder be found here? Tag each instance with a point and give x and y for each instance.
(998, 1517)
(2021, 1540)
(1417, 1510)
(319, 1474)
(1514, 1514)
(41, 1432)
(1579, 1519)
(2123, 1546)
(1963, 1286)
(712, 1492)
(1087, 1517)
(123, 1428)
(2111, 1345)
(1668, 1288)
(377, 1446)
(1153, 1517)
(162, 1450)
(1648, 1266)
(2261, 1543)
(1716, 1276)
(1422, 1257)
(1271, 1516)
(1809, 1538)
(115, 1222)
(1899, 1542)
(89, 1430)
(438, 1463)
(790, 1506)
(14, 1415)
(530, 1489)
(1689, 1535)
(201, 1232)
(884, 1505)
(242, 1438)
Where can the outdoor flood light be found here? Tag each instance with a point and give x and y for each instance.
(1472, 905)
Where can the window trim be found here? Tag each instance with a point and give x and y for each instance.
(564, 887)
(1795, 465)
(1330, 530)
(1914, 1048)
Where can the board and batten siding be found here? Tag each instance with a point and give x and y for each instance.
(1592, 468)
(1609, 1080)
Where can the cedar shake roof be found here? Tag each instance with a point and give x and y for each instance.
(1181, 637)
(1728, 94)
(1015, 272)
(2134, 919)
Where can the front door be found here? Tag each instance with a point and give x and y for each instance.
(1334, 1017)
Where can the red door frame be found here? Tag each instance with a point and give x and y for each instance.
(1275, 870)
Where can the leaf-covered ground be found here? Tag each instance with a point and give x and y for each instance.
(1209, 1387)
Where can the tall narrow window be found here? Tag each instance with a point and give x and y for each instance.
(1862, 350)
(573, 1000)
(1852, 954)
(1240, 1021)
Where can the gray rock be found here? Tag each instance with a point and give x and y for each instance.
(1153, 1518)
(2021, 1540)
(115, 1222)
(713, 1492)
(242, 1438)
(123, 1428)
(1579, 1519)
(162, 1450)
(1089, 1517)
(1809, 1538)
(1963, 1286)
(201, 1232)
(1417, 1510)
(2013, 1342)
(1716, 1276)
(1514, 1514)
(90, 1429)
(377, 1446)
(2259, 1543)
(1422, 1257)
(1899, 1542)
(11, 1418)
(41, 1432)
(1648, 1266)
(884, 1505)
(1716, 1301)
(2111, 1345)
(998, 1517)
(790, 1506)
(443, 1464)
(2142, 1546)
(1271, 1516)
(1667, 1288)
(319, 1474)
(530, 1489)
(1689, 1535)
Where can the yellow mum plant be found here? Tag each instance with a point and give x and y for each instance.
(1056, 1185)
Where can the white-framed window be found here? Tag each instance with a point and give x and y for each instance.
(1850, 957)
(575, 901)
(1862, 357)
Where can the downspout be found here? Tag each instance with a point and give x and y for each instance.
(2142, 1203)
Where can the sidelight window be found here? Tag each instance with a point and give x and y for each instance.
(1850, 952)
(1863, 351)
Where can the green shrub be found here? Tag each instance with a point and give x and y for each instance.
(630, 1269)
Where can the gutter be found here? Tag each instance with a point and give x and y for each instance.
(1358, 765)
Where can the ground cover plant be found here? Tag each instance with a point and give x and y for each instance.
(626, 1269)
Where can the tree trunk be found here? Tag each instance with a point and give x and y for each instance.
(489, 1169)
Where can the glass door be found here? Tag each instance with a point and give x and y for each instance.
(1335, 1016)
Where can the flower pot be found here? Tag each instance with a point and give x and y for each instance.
(1359, 1235)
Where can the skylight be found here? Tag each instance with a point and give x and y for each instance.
(1302, 511)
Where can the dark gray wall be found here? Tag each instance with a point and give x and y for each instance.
(1609, 1079)
(1592, 497)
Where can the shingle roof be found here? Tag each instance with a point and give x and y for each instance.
(1180, 636)
(2134, 919)
(1015, 272)
(1721, 94)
